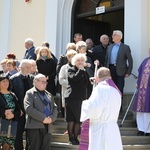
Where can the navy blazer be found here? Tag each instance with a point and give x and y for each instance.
(17, 86)
(30, 54)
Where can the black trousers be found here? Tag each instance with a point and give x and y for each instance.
(19, 135)
(118, 80)
(38, 139)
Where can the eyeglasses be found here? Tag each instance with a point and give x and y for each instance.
(43, 82)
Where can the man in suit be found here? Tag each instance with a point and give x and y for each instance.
(20, 83)
(29, 45)
(117, 56)
(41, 111)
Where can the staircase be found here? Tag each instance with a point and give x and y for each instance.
(128, 132)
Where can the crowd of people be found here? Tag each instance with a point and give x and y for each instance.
(31, 84)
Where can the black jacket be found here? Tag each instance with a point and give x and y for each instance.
(17, 87)
(78, 82)
(3, 106)
(48, 68)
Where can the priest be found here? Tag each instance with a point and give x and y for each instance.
(142, 100)
(102, 109)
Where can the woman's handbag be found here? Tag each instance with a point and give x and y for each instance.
(8, 128)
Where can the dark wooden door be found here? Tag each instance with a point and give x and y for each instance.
(91, 29)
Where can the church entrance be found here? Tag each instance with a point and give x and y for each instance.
(92, 25)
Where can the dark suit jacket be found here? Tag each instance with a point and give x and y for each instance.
(99, 53)
(17, 86)
(124, 55)
(30, 54)
(34, 109)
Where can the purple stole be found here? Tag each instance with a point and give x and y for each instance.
(84, 139)
(142, 89)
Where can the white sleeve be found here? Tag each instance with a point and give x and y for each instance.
(93, 107)
(63, 80)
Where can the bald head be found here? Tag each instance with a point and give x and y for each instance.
(104, 39)
(103, 73)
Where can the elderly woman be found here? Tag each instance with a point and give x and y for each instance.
(76, 92)
(9, 109)
(81, 48)
(63, 74)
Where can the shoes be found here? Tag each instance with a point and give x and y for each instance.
(77, 141)
(73, 141)
(147, 134)
(140, 133)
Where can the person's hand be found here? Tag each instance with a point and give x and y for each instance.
(92, 80)
(127, 75)
(88, 65)
(96, 62)
(47, 120)
(81, 67)
(9, 114)
(21, 113)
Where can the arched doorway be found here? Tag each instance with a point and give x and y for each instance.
(92, 25)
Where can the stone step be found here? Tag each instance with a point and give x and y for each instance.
(66, 146)
(126, 140)
(135, 140)
(136, 147)
(126, 123)
(128, 131)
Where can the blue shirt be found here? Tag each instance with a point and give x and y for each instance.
(114, 53)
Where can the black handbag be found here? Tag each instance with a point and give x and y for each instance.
(8, 128)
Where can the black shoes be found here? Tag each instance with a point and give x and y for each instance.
(147, 134)
(74, 141)
(141, 133)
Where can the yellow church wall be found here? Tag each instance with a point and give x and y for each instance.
(27, 21)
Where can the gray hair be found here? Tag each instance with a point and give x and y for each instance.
(29, 40)
(32, 61)
(103, 36)
(78, 56)
(80, 44)
(71, 46)
(118, 32)
(71, 52)
(24, 62)
(38, 76)
(37, 49)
